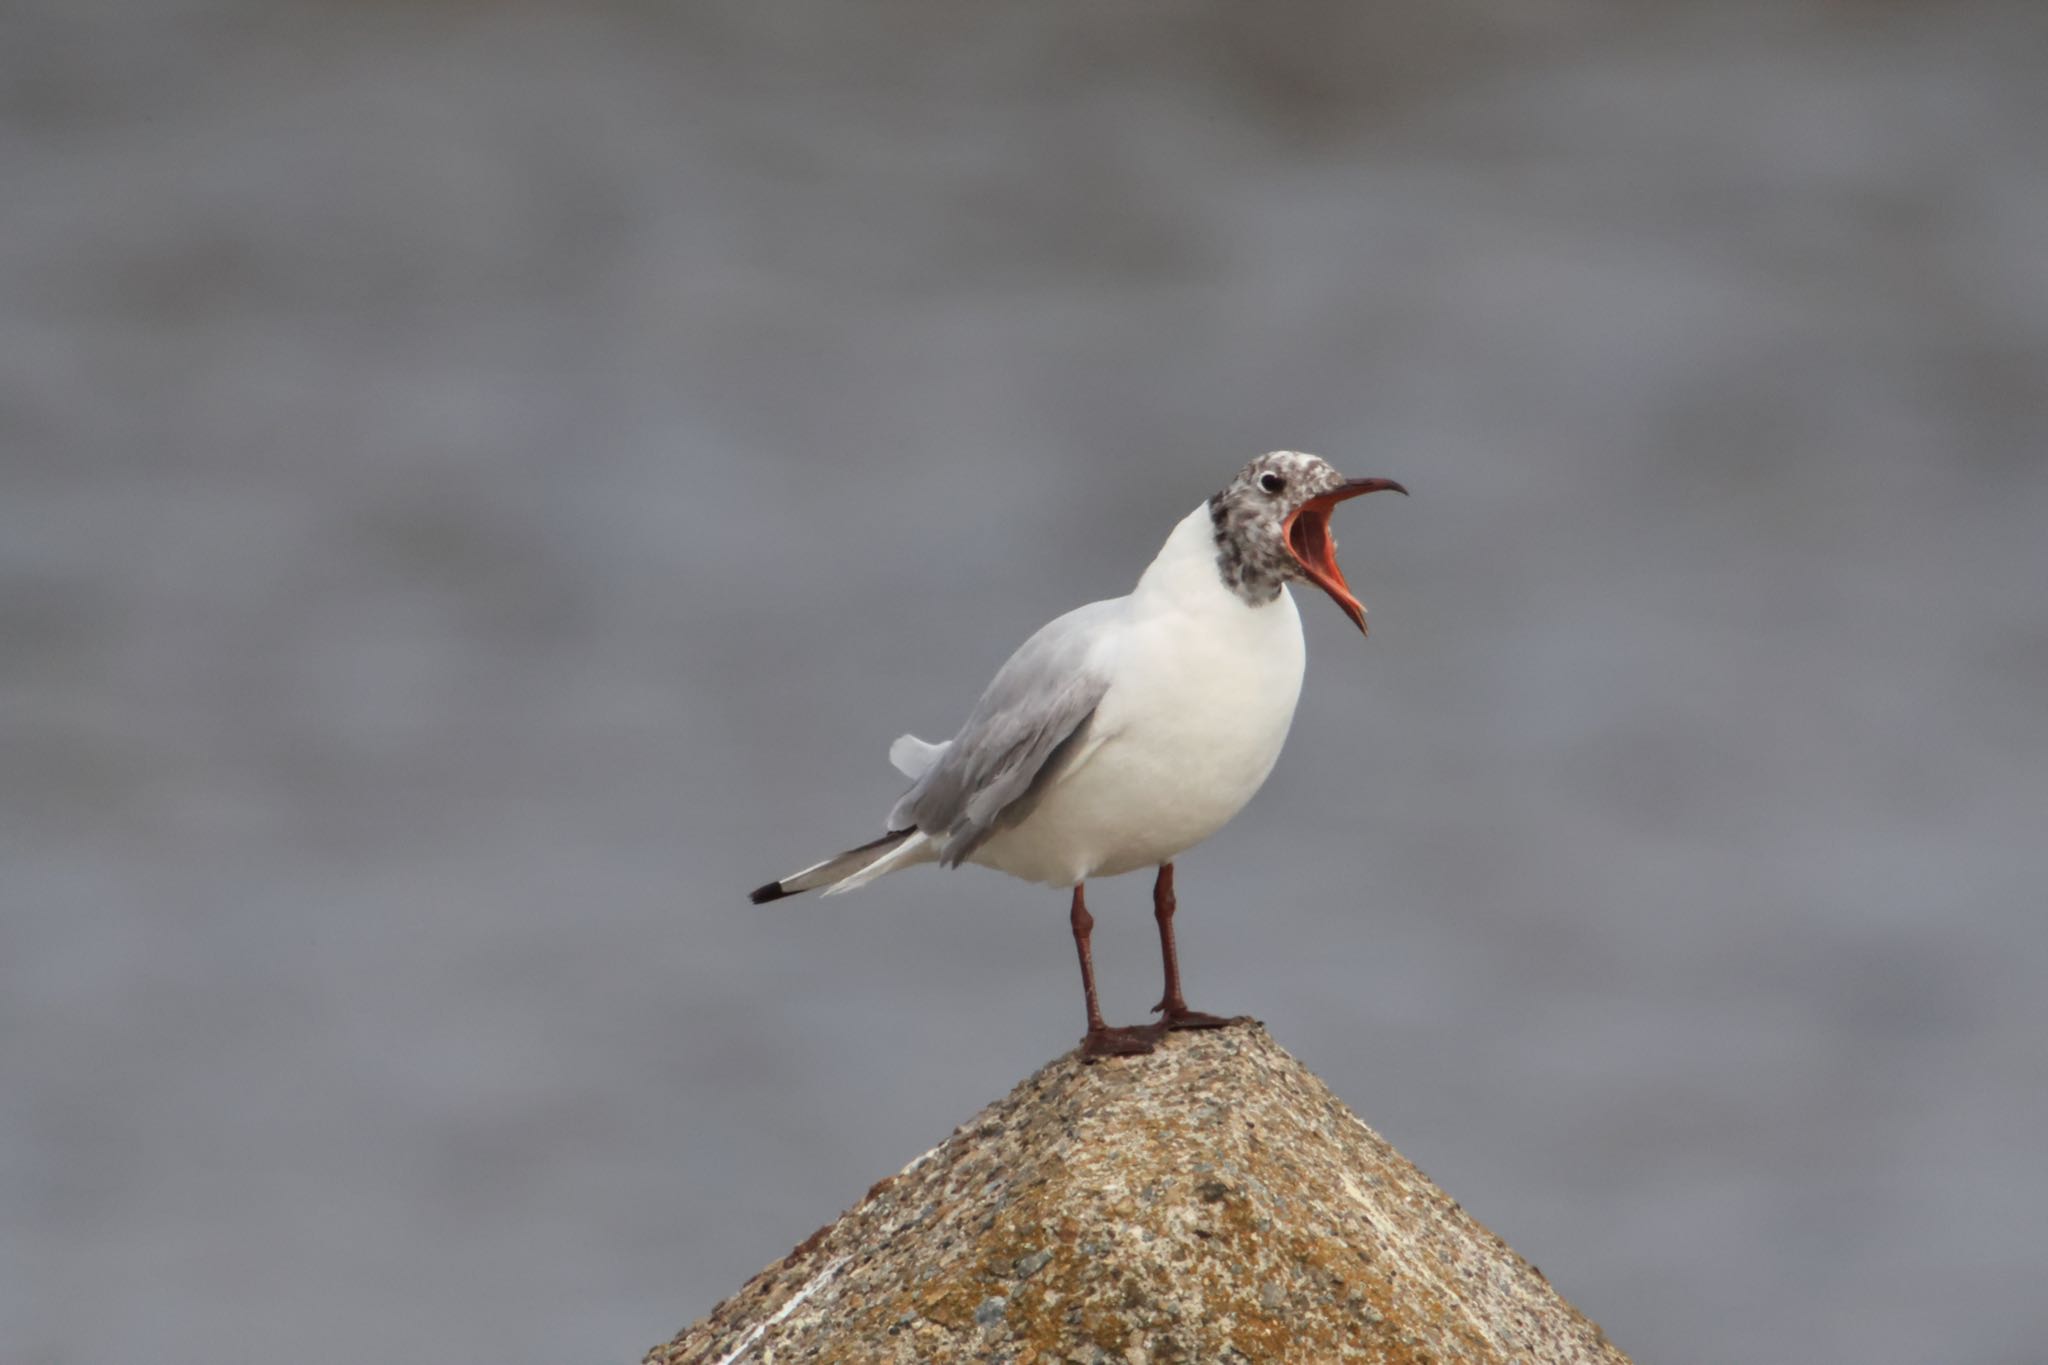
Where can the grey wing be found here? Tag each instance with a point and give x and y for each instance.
(1040, 702)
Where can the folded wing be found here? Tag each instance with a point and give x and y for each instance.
(1030, 723)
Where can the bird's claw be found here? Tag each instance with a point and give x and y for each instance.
(1178, 1018)
(1121, 1042)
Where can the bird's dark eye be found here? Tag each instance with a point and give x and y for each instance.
(1272, 483)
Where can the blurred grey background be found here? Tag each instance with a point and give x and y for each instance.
(485, 482)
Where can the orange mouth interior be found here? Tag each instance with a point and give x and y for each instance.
(1308, 536)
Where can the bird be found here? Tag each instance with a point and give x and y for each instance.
(1127, 731)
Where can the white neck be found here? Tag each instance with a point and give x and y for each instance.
(1184, 574)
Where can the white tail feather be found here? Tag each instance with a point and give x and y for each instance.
(913, 757)
(912, 851)
(855, 867)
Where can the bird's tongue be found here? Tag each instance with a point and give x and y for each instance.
(1308, 535)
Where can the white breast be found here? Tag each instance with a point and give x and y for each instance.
(1203, 692)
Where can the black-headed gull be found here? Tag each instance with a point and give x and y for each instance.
(1128, 731)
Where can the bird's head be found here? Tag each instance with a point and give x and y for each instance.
(1273, 526)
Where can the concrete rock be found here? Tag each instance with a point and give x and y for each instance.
(1212, 1201)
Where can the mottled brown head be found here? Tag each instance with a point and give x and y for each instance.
(1273, 526)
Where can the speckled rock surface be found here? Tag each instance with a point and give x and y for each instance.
(1210, 1202)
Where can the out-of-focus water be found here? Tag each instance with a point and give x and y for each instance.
(484, 483)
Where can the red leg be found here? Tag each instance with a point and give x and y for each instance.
(1175, 1011)
(1102, 1040)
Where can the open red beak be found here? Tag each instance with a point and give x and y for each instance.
(1308, 536)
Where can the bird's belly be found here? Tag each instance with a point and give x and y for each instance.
(1138, 805)
(1183, 750)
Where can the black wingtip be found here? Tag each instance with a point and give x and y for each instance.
(761, 895)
